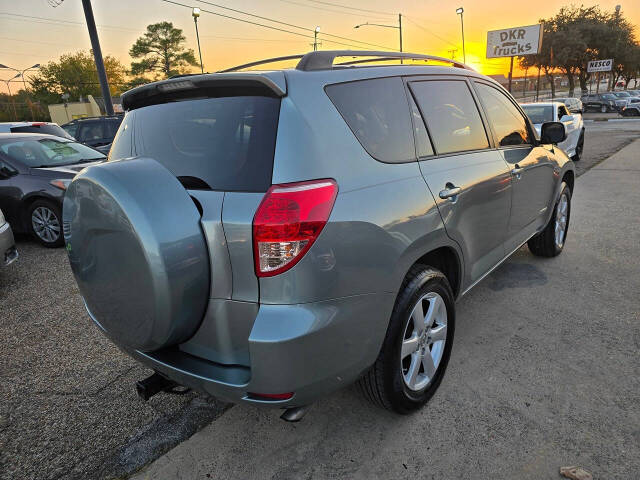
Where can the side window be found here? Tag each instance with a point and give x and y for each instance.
(509, 125)
(451, 115)
(90, 131)
(122, 146)
(112, 128)
(423, 144)
(71, 129)
(377, 113)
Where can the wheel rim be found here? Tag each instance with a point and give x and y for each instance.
(562, 214)
(423, 341)
(45, 224)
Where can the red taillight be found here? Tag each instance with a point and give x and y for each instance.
(288, 221)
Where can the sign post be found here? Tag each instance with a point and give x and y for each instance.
(514, 42)
(597, 66)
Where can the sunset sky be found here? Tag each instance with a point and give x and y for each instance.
(32, 31)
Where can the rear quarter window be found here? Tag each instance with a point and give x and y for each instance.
(226, 142)
(377, 112)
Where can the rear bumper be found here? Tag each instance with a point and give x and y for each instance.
(8, 251)
(309, 349)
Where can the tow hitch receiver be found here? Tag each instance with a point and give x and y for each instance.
(156, 383)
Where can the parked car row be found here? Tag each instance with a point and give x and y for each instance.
(616, 101)
(35, 170)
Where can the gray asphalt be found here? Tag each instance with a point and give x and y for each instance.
(544, 373)
(68, 407)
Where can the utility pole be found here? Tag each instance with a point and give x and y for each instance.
(538, 84)
(510, 74)
(399, 27)
(315, 38)
(97, 55)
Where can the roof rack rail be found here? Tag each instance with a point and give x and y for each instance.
(323, 59)
(262, 62)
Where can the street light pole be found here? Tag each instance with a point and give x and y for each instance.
(97, 55)
(196, 13)
(399, 27)
(460, 11)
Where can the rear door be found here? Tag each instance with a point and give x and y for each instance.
(532, 172)
(468, 178)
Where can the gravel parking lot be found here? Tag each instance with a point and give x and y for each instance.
(68, 407)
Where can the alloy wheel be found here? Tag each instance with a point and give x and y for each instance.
(423, 342)
(562, 215)
(45, 224)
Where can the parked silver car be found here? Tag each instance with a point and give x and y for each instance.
(268, 237)
(8, 250)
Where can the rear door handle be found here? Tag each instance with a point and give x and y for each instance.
(449, 192)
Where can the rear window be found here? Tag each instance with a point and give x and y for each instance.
(43, 128)
(377, 113)
(227, 142)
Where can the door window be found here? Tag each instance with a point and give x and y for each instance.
(91, 131)
(562, 111)
(451, 115)
(509, 125)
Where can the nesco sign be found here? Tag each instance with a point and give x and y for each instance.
(600, 65)
(514, 42)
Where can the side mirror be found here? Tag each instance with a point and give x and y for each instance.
(567, 118)
(6, 171)
(552, 133)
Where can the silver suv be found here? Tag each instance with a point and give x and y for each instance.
(271, 236)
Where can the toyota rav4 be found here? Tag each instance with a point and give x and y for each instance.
(271, 236)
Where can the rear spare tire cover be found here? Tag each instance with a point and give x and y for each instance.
(137, 251)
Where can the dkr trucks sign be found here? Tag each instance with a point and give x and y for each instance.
(514, 42)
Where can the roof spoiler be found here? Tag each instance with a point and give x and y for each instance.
(213, 84)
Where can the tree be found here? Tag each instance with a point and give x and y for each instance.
(161, 51)
(75, 74)
(576, 35)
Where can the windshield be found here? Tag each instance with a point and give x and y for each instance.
(622, 94)
(608, 96)
(539, 113)
(48, 152)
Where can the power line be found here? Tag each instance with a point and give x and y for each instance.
(429, 31)
(287, 24)
(353, 8)
(359, 15)
(55, 21)
(267, 26)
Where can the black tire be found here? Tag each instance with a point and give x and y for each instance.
(46, 206)
(544, 243)
(384, 382)
(579, 148)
